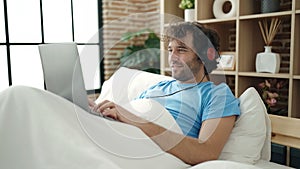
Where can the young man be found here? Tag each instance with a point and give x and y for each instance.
(205, 112)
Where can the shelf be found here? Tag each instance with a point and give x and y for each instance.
(267, 75)
(266, 15)
(220, 72)
(209, 21)
(285, 130)
(296, 77)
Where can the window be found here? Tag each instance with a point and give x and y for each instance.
(3, 68)
(26, 67)
(57, 21)
(26, 24)
(2, 25)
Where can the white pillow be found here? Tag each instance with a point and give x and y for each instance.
(250, 131)
(126, 84)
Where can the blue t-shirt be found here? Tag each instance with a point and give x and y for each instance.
(193, 106)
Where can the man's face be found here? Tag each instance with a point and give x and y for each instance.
(183, 61)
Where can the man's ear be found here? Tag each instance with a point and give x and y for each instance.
(211, 53)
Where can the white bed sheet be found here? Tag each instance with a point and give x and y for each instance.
(270, 165)
(221, 164)
(41, 130)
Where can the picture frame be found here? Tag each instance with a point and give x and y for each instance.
(227, 61)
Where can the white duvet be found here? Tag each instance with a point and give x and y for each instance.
(41, 130)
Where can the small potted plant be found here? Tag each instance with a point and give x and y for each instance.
(271, 92)
(189, 11)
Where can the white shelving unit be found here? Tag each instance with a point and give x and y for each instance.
(247, 42)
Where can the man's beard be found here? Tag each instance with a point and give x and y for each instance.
(181, 72)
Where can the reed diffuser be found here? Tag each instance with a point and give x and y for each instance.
(268, 61)
(269, 32)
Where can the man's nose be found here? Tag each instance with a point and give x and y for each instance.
(173, 55)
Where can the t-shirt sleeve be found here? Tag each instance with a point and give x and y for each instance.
(220, 102)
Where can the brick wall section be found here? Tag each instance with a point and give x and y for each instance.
(121, 16)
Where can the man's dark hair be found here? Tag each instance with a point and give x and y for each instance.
(204, 40)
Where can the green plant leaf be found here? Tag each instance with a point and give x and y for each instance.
(153, 41)
(131, 49)
(143, 57)
(130, 35)
(187, 4)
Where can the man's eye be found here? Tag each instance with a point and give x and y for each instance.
(182, 50)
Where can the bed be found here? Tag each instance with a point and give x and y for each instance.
(41, 130)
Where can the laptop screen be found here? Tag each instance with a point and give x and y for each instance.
(63, 73)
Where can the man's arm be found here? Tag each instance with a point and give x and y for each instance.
(212, 137)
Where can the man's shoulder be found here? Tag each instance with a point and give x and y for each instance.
(222, 86)
(212, 88)
(222, 89)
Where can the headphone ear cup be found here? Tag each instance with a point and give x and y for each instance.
(211, 53)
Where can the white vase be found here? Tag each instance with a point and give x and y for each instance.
(267, 61)
(189, 15)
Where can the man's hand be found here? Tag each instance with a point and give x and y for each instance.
(117, 112)
(92, 104)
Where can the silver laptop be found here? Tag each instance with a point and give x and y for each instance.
(63, 74)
